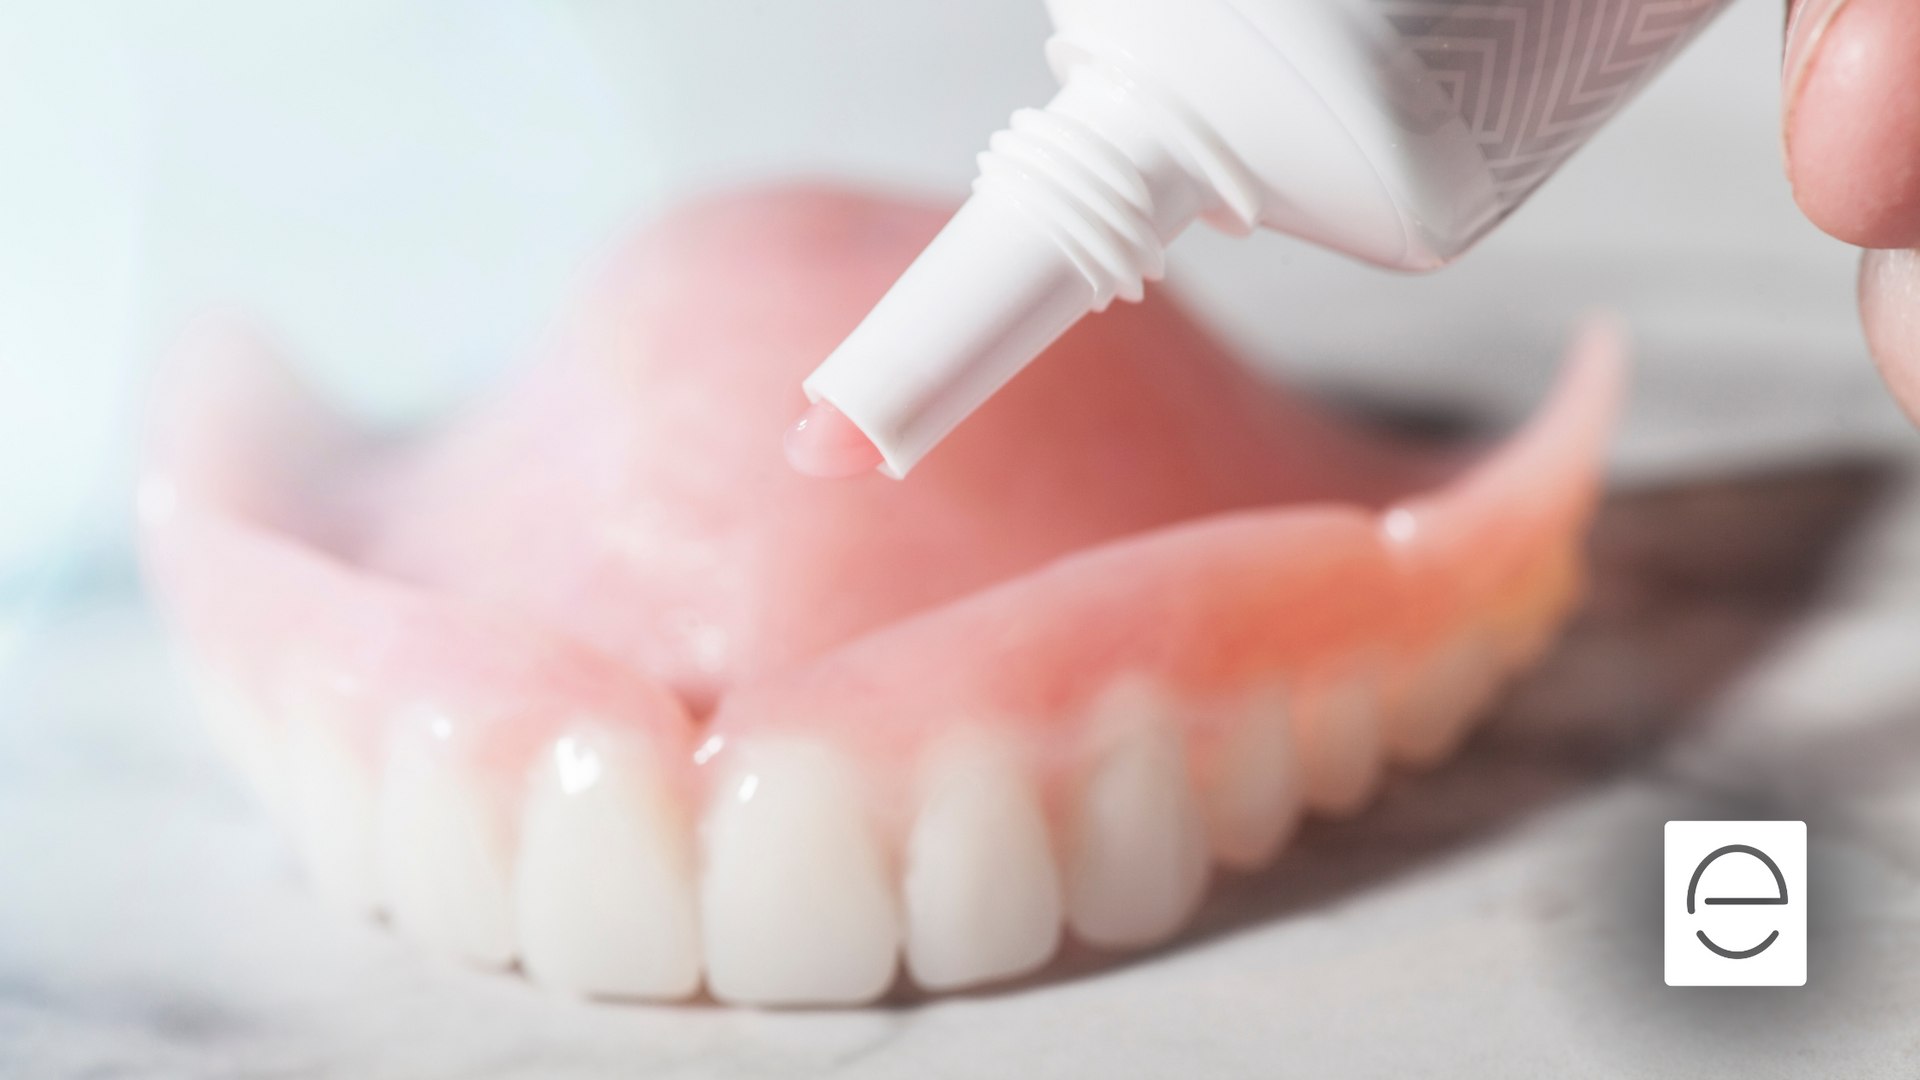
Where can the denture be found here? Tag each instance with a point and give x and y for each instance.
(590, 682)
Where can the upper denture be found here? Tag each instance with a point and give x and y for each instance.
(592, 680)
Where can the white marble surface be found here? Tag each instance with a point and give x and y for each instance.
(1496, 919)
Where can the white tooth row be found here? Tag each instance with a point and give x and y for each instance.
(788, 892)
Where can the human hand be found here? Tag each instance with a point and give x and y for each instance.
(1851, 103)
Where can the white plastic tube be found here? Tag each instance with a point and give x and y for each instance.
(1397, 131)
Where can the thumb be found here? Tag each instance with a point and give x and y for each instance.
(1851, 102)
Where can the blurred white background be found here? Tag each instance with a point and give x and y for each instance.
(405, 192)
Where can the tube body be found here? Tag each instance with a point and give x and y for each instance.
(1397, 131)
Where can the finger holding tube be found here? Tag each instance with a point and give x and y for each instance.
(1851, 96)
(1852, 118)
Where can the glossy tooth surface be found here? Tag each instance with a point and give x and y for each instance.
(603, 885)
(335, 805)
(797, 906)
(1252, 795)
(981, 890)
(1339, 737)
(444, 852)
(1443, 694)
(1138, 861)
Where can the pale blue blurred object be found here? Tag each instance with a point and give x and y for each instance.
(70, 247)
(399, 193)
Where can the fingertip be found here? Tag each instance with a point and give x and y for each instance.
(1853, 119)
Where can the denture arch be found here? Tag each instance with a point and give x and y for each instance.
(591, 683)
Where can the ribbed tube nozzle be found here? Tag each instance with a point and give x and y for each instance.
(1073, 207)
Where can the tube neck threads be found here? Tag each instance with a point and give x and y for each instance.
(1081, 191)
(1074, 206)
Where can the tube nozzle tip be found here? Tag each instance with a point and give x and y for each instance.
(824, 443)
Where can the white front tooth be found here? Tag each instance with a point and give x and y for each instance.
(1252, 794)
(982, 893)
(796, 903)
(1138, 864)
(335, 803)
(243, 730)
(603, 886)
(1339, 735)
(444, 850)
(1443, 694)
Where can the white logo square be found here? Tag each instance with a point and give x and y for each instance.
(1736, 903)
